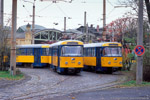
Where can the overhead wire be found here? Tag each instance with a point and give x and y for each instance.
(25, 8)
(111, 11)
(110, 3)
(61, 10)
(45, 7)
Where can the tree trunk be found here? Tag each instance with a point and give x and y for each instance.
(148, 8)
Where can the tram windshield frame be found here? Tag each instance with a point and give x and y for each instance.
(72, 51)
(112, 52)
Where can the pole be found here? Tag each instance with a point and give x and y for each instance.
(13, 37)
(1, 12)
(87, 34)
(65, 24)
(104, 18)
(85, 25)
(33, 22)
(139, 71)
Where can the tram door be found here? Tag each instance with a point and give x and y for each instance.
(37, 56)
(98, 59)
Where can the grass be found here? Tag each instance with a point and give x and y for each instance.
(6, 75)
(132, 83)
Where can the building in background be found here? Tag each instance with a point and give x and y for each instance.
(41, 35)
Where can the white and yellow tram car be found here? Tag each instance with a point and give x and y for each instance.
(105, 57)
(67, 56)
(35, 55)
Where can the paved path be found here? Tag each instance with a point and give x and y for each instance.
(136, 93)
(44, 84)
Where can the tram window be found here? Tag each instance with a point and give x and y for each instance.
(85, 52)
(88, 52)
(50, 52)
(112, 51)
(45, 51)
(55, 52)
(29, 51)
(18, 52)
(93, 52)
(101, 51)
(72, 51)
(116, 51)
(23, 51)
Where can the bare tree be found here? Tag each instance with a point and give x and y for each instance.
(4, 49)
(134, 5)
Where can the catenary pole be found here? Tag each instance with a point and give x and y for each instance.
(139, 69)
(65, 24)
(104, 19)
(33, 22)
(1, 12)
(13, 38)
(85, 24)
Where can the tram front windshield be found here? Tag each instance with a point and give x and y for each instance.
(72, 51)
(112, 51)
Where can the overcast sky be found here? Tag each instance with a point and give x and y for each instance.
(48, 13)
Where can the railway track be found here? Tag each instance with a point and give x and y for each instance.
(45, 84)
(33, 94)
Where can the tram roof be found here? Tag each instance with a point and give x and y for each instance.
(34, 46)
(66, 42)
(102, 44)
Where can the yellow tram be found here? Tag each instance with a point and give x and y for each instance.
(35, 55)
(105, 57)
(67, 56)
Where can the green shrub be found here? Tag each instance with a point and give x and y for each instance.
(146, 65)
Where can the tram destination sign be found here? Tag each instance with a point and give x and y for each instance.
(139, 50)
(72, 43)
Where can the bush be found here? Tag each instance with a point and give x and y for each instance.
(146, 66)
(127, 61)
(146, 58)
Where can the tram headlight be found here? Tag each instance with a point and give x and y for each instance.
(79, 62)
(120, 62)
(66, 62)
(109, 62)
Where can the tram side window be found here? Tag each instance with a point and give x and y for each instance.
(101, 52)
(47, 51)
(93, 52)
(18, 52)
(55, 52)
(89, 52)
(85, 52)
(23, 51)
(50, 51)
(29, 51)
(44, 51)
